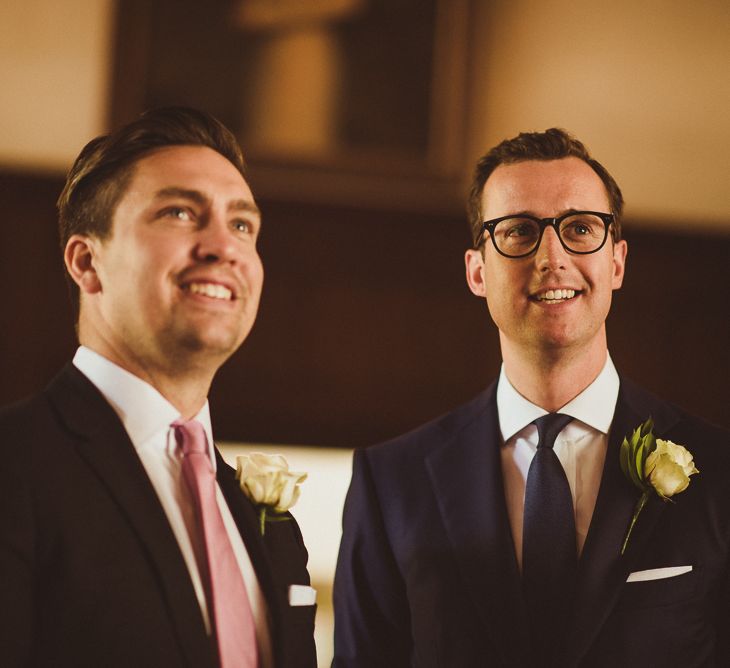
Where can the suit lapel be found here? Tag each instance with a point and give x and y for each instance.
(244, 515)
(466, 475)
(602, 570)
(103, 444)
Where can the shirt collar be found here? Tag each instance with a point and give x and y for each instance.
(594, 406)
(144, 412)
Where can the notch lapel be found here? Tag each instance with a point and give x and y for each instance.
(102, 442)
(466, 474)
(244, 515)
(602, 569)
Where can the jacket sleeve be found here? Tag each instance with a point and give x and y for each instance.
(372, 619)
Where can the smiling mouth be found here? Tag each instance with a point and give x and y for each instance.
(212, 290)
(555, 296)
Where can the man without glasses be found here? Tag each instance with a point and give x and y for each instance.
(124, 538)
(496, 535)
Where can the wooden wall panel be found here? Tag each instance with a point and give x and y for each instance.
(36, 328)
(366, 327)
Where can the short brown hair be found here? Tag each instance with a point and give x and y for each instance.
(553, 144)
(100, 175)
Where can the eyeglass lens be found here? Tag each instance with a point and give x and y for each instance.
(582, 233)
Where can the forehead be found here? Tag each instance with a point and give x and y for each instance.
(191, 167)
(543, 188)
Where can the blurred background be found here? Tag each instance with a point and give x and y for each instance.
(361, 121)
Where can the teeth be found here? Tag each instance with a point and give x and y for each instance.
(556, 295)
(210, 290)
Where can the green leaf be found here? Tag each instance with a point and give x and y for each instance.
(638, 460)
(634, 452)
(624, 458)
(637, 473)
(649, 447)
(633, 440)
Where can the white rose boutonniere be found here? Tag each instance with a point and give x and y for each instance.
(654, 466)
(268, 482)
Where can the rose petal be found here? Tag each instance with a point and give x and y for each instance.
(667, 477)
(266, 480)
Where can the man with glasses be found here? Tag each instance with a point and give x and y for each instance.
(496, 535)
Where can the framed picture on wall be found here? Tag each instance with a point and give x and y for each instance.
(354, 100)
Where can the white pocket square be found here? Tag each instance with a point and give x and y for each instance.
(302, 595)
(658, 573)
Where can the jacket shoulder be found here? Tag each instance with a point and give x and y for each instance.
(708, 443)
(33, 414)
(24, 417)
(418, 441)
(668, 417)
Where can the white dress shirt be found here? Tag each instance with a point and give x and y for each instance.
(581, 447)
(147, 417)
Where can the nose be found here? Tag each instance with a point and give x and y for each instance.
(550, 254)
(216, 241)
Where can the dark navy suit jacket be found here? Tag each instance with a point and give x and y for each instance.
(427, 574)
(91, 574)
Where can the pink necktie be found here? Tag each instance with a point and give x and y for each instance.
(228, 603)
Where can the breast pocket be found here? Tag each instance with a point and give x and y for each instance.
(662, 591)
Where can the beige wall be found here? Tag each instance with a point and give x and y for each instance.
(644, 84)
(54, 76)
(319, 515)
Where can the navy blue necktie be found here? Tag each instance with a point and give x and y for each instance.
(549, 559)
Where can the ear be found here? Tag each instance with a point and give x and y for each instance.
(79, 257)
(474, 262)
(620, 249)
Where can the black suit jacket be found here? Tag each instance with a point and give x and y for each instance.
(90, 570)
(427, 574)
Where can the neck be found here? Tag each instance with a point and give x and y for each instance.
(550, 379)
(182, 382)
(188, 393)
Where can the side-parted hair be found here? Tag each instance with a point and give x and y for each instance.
(103, 170)
(553, 144)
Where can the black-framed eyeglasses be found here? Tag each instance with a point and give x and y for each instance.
(580, 232)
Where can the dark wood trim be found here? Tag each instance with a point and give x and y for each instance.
(379, 178)
(130, 60)
(366, 327)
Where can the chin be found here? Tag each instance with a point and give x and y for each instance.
(557, 341)
(210, 343)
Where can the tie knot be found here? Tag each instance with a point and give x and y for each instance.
(190, 437)
(548, 428)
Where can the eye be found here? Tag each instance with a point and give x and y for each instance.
(244, 226)
(178, 213)
(582, 226)
(519, 230)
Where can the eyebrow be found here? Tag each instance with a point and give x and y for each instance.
(525, 212)
(199, 198)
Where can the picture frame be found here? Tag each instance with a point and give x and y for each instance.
(348, 102)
